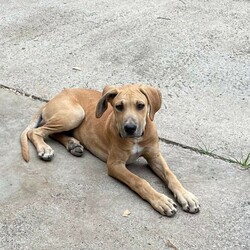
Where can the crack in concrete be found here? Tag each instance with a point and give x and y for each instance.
(164, 140)
(21, 92)
(196, 150)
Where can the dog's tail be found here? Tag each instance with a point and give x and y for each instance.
(34, 123)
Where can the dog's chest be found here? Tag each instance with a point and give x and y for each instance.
(135, 153)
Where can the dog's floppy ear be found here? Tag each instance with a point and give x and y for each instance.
(154, 99)
(109, 93)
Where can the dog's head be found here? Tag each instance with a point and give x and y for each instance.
(131, 106)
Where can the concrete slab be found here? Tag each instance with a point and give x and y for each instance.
(71, 203)
(196, 52)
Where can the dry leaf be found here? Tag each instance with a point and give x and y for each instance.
(126, 213)
(76, 68)
(170, 244)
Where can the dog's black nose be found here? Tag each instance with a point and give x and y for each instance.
(130, 128)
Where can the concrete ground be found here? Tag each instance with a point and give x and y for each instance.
(197, 53)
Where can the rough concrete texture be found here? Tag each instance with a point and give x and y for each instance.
(197, 53)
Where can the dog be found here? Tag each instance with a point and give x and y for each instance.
(116, 126)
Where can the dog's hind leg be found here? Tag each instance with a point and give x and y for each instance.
(57, 118)
(70, 143)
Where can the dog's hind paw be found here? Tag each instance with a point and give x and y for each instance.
(46, 153)
(75, 148)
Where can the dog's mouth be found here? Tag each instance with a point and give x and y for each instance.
(131, 136)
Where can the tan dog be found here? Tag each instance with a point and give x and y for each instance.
(118, 134)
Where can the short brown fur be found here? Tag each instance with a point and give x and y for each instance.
(117, 126)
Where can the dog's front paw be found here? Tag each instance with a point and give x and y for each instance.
(164, 205)
(188, 201)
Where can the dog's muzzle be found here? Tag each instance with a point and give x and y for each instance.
(130, 129)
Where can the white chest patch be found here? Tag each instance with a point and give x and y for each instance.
(135, 153)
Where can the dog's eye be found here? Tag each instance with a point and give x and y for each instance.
(140, 106)
(119, 107)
